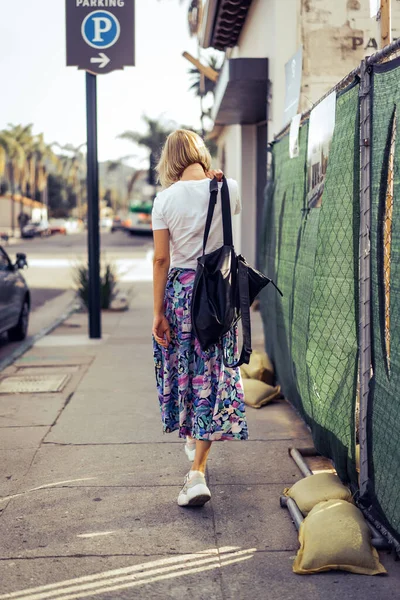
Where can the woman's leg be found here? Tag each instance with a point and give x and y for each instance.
(202, 451)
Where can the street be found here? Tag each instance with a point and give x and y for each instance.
(51, 262)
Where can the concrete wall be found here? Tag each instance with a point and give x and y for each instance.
(271, 31)
(336, 35)
(249, 192)
(230, 145)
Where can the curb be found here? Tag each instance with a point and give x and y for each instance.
(30, 342)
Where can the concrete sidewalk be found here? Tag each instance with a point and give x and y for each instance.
(89, 486)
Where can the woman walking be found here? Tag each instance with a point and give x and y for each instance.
(198, 395)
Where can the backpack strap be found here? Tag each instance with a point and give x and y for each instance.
(226, 213)
(211, 208)
(245, 316)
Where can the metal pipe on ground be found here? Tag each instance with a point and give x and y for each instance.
(300, 462)
(295, 512)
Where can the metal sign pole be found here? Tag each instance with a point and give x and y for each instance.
(93, 209)
(98, 41)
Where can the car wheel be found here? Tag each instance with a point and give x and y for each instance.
(19, 332)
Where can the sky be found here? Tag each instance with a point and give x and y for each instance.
(38, 88)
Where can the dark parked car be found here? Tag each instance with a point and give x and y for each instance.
(15, 299)
(40, 229)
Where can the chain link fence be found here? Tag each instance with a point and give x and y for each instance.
(334, 337)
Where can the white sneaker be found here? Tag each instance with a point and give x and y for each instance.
(190, 449)
(195, 491)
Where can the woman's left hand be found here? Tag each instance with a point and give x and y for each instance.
(161, 331)
(215, 173)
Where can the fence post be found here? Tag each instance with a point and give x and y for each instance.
(365, 269)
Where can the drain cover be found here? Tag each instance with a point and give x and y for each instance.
(48, 370)
(33, 384)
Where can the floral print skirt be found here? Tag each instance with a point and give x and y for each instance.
(198, 395)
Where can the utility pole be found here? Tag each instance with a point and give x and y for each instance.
(385, 23)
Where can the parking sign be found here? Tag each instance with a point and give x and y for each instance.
(100, 34)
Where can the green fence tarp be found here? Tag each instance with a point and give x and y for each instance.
(311, 334)
(284, 217)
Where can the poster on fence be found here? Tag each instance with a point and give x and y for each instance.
(320, 134)
(293, 73)
(294, 136)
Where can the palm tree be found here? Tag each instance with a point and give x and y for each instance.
(154, 139)
(118, 165)
(195, 75)
(202, 86)
(23, 136)
(42, 157)
(3, 159)
(14, 165)
(72, 165)
(39, 156)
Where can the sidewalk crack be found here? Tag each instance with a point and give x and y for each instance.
(60, 412)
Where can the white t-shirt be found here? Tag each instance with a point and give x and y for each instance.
(182, 209)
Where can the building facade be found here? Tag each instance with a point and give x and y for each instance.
(259, 37)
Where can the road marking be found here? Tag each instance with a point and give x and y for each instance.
(128, 269)
(137, 575)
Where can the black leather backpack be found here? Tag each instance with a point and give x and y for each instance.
(225, 285)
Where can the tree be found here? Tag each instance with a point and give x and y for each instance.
(61, 199)
(72, 166)
(200, 90)
(3, 160)
(42, 158)
(38, 156)
(58, 196)
(154, 138)
(14, 166)
(195, 75)
(22, 134)
(118, 165)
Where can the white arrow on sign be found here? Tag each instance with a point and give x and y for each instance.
(102, 59)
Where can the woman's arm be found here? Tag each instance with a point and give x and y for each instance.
(161, 261)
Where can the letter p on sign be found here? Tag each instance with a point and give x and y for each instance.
(101, 25)
(101, 29)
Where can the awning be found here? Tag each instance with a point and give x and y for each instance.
(241, 92)
(223, 22)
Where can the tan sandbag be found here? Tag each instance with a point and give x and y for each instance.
(260, 368)
(335, 536)
(258, 393)
(243, 372)
(314, 489)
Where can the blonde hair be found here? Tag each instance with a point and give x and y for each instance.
(182, 149)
